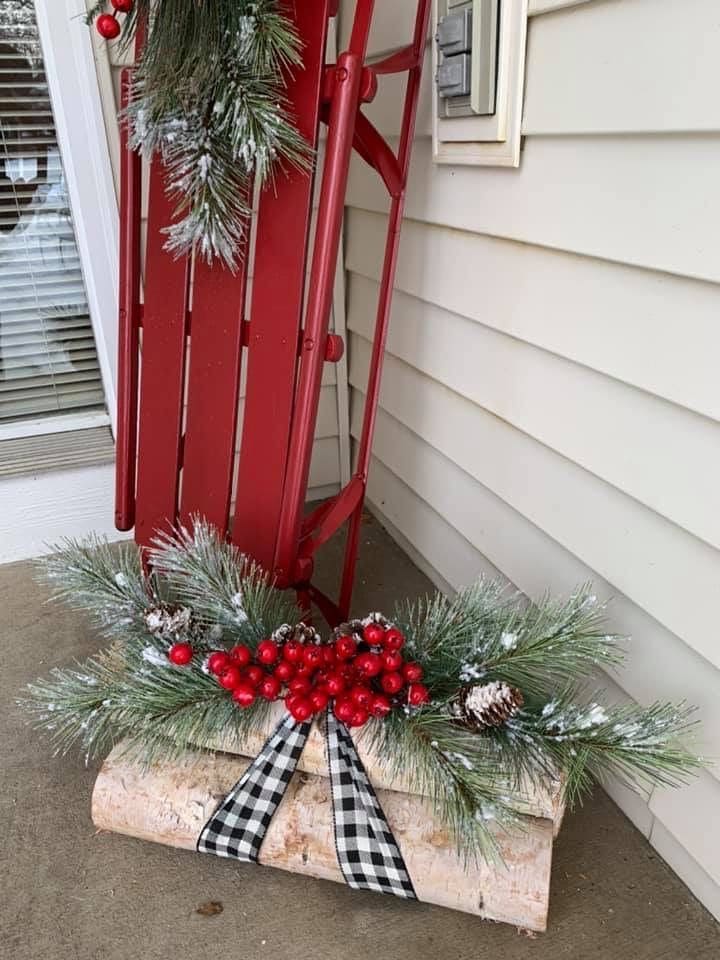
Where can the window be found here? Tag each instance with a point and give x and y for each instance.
(48, 359)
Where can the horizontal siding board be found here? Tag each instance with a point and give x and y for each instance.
(645, 328)
(691, 815)
(392, 25)
(671, 574)
(686, 867)
(640, 66)
(663, 455)
(598, 196)
(485, 526)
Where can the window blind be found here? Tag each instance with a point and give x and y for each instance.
(48, 361)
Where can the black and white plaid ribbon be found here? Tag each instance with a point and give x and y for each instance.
(238, 827)
(367, 851)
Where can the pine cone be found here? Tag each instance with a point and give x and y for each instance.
(487, 705)
(353, 628)
(306, 634)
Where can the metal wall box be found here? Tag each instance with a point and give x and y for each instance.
(453, 76)
(467, 28)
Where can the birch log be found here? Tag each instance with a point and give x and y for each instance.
(170, 803)
(536, 800)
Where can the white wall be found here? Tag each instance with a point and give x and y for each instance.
(550, 403)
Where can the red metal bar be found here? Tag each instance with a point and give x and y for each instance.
(322, 276)
(385, 297)
(374, 149)
(277, 297)
(162, 373)
(325, 525)
(398, 62)
(128, 324)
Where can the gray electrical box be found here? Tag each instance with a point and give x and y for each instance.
(466, 38)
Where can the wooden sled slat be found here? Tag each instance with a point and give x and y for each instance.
(277, 299)
(164, 338)
(212, 395)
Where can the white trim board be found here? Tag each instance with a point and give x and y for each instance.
(38, 511)
(80, 125)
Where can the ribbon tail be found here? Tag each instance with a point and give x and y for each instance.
(238, 827)
(367, 851)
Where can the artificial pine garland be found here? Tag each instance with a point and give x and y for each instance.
(471, 699)
(208, 95)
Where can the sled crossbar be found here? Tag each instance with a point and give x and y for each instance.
(220, 372)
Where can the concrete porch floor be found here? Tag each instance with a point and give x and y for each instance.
(69, 894)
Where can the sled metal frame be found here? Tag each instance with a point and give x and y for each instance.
(181, 350)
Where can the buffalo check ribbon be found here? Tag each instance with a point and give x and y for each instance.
(367, 852)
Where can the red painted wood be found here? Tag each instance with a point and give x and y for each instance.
(161, 372)
(277, 296)
(128, 326)
(218, 301)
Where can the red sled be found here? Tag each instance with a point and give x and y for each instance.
(181, 449)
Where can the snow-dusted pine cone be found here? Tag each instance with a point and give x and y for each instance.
(170, 622)
(487, 704)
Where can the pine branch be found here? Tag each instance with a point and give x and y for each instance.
(220, 584)
(208, 92)
(134, 694)
(105, 581)
(468, 787)
(486, 633)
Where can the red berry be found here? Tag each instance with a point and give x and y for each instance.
(269, 688)
(360, 717)
(318, 700)
(243, 694)
(241, 655)
(418, 694)
(345, 647)
(300, 685)
(344, 710)
(301, 710)
(412, 672)
(292, 651)
(253, 674)
(392, 682)
(267, 652)
(361, 696)
(373, 633)
(303, 670)
(368, 664)
(380, 706)
(180, 654)
(217, 662)
(329, 655)
(107, 26)
(391, 660)
(230, 678)
(291, 699)
(123, 6)
(335, 684)
(284, 671)
(393, 639)
(313, 657)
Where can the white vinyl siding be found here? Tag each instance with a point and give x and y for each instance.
(550, 402)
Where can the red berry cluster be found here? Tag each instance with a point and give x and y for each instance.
(107, 24)
(362, 679)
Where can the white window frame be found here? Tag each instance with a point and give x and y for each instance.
(77, 107)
